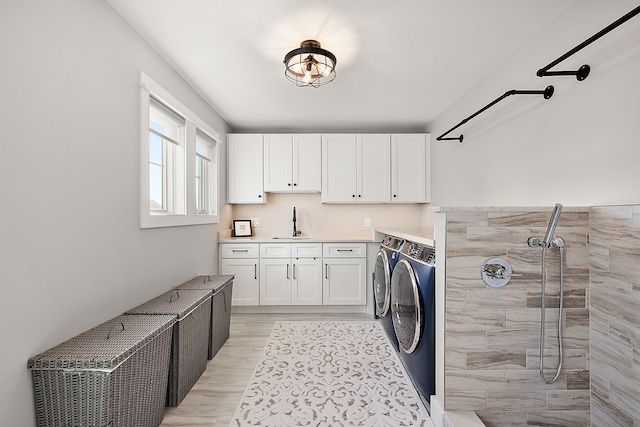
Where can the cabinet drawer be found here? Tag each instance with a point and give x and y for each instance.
(239, 250)
(275, 250)
(306, 250)
(344, 250)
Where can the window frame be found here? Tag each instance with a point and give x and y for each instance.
(149, 89)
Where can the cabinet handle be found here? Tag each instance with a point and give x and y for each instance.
(326, 271)
(294, 272)
(255, 271)
(345, 250)
(287, 271)
(239, 250)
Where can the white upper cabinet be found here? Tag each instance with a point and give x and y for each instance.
(374, 168)
(292, 163)
(356, 168)
(339, 174)
(245, 169)
(410, 165)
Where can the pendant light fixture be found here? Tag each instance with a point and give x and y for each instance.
(310, 65)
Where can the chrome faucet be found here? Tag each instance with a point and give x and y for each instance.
(296, 233)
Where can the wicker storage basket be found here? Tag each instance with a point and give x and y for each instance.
(190, 336)
(112, 375)
(222, 287)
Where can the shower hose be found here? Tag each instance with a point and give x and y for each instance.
(557, 242)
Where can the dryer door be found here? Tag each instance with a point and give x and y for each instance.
(381, 284)
(406, 309)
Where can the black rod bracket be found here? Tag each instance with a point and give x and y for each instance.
(546, 93)
(583, 72)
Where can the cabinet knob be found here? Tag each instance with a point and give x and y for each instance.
(395, 195)
(359, 195)
(259, 196)
(294, 184)
(289, 184)
(353, 195)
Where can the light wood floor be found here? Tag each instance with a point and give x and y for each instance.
(213, 400)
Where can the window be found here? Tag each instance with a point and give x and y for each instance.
(205, 157)
(178, 162)
(166, 161)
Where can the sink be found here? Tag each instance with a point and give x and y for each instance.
(290, 238)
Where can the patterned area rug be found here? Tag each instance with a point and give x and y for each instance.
(330, 374)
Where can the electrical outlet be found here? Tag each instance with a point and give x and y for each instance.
(367, 222)
(255, 222)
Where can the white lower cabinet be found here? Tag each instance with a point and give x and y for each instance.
(344, 279)
(306, 285)
(242, 261)
(291, 274)
(296, 273)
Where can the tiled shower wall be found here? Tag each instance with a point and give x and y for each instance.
(614, 252)
(492, 335)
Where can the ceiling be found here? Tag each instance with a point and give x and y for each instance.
(399, 64)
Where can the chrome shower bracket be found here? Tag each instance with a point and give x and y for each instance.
(496, 272)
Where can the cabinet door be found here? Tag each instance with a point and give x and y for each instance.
(306, 284)
(245, 169)
(374, 168)
(278, 155)
(275, 281)
(410, 168)
(338, 168)
(246, 289)
(307, 161)
(343, 281)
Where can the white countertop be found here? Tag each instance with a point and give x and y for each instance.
(422, 235)
(265, 235)
(364, 235)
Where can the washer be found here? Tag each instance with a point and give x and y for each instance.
(413, 314)
(386, 260)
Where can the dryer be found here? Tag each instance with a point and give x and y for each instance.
(413, 314)
(386, 260)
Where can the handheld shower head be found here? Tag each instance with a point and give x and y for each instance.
(553, 223)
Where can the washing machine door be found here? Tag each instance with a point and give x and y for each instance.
(406, 309)
(382, 284)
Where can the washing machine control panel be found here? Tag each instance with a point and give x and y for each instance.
(419, 252)
(392, 243)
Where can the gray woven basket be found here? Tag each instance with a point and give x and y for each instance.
(222, 287)
(112, 375)
(190, 337)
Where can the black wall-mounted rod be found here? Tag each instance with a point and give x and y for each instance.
(583, 72)
(547, 93)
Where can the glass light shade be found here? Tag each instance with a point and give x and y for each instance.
(310, 65)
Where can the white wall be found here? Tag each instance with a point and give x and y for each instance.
(71, 253)
(581, 147)
(311, 214)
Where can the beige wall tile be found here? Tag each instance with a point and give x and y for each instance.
(566, 418)
(497, 359)
(568, 400)
(466, 401)
(476, 380)
(517, 219)
(523, 400)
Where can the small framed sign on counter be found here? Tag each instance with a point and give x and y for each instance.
(242, 228)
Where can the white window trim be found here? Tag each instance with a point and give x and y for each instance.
(147, 89)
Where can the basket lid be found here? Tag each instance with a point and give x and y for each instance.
(214, 282)
(105, 346)
(179, 302)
